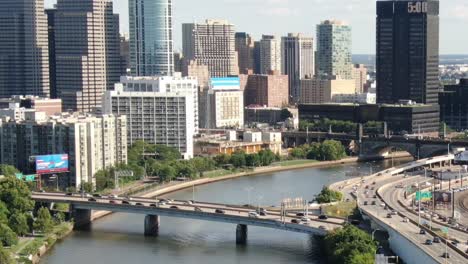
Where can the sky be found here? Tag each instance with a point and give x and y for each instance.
(278, 17)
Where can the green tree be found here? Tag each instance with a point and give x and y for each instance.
(267, 157)
(18, 222)
(203, 164)
(8, 238)
(43, 221)
(59, 217)
(87, 187)
(8, 170)
(5, 256)
(298, 153)
(4, 213)
(238, 159)
(332, 150)
(315, 151)
(16, 195)
(349, 245)
(252, 160)
(166, 173)
(328, 195)
(222, 159)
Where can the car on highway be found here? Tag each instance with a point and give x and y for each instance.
(125, 202)
(295, 221)
(375, 196)
(112, 202)
(389, 215)
(428, 242)
(263, 213)
(97, 195)
(153, 205)
(69, 194)
(446, 255)
(174, 207)
(323, 217)
(436, 240)
(422, 232)
(366, 203)
(188, 202)
(374, 203)
(300, 214)
(92, 200)
(139, 204)
(305, 219)
(198, 209)
(405, 220)
(394, 212)
(454, 243)
(113, 196)
(220, 211)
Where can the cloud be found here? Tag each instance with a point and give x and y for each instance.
(279, 11)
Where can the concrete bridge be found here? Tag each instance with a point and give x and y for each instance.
(378, 145)
(418, 148)
(81, 208)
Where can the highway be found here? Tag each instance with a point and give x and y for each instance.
(194, 210)
(367, 191)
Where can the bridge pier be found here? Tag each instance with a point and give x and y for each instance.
(241, 234)
(151, 225)
(82, 218)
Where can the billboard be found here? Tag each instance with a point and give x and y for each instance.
(225, 83)
(443, 197)
(51, 164)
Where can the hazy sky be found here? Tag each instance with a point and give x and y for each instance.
(281, 16)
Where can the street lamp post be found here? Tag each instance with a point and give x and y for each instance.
(248, 189)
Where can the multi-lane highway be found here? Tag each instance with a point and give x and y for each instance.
(377, 195)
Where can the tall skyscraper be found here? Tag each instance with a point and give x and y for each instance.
(24, 59)
(213, 44)
(334, 50)
(270, 54)
(151, 43)
(408, 51)
(52, 67)
(245, 51)
(297, 62)
(87, 51)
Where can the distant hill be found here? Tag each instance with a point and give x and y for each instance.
(369, 59)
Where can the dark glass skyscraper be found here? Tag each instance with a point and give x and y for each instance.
(407, 51)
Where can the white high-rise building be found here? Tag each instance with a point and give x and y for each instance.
(213, 44)
(91, 142)
(297, 62)
(162, 118)
(270, 54)
(165, 84)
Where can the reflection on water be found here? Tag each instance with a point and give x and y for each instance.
(118, 239)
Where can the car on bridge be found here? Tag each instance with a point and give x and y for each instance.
(436, 240)
(253, 214)
(428, 242)
(220, 211)
(295, 221)
(323, 217)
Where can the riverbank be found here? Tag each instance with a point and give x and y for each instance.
(171, 187)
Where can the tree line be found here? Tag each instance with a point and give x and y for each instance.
(17, 218)
(145, 159)
(325, 151)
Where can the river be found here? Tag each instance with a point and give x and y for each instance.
(118, 238)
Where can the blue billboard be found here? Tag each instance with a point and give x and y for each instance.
(225, 83)
(51, 164)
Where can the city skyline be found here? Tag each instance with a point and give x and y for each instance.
(302, 16)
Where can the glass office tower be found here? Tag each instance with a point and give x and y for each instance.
(151, 43)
